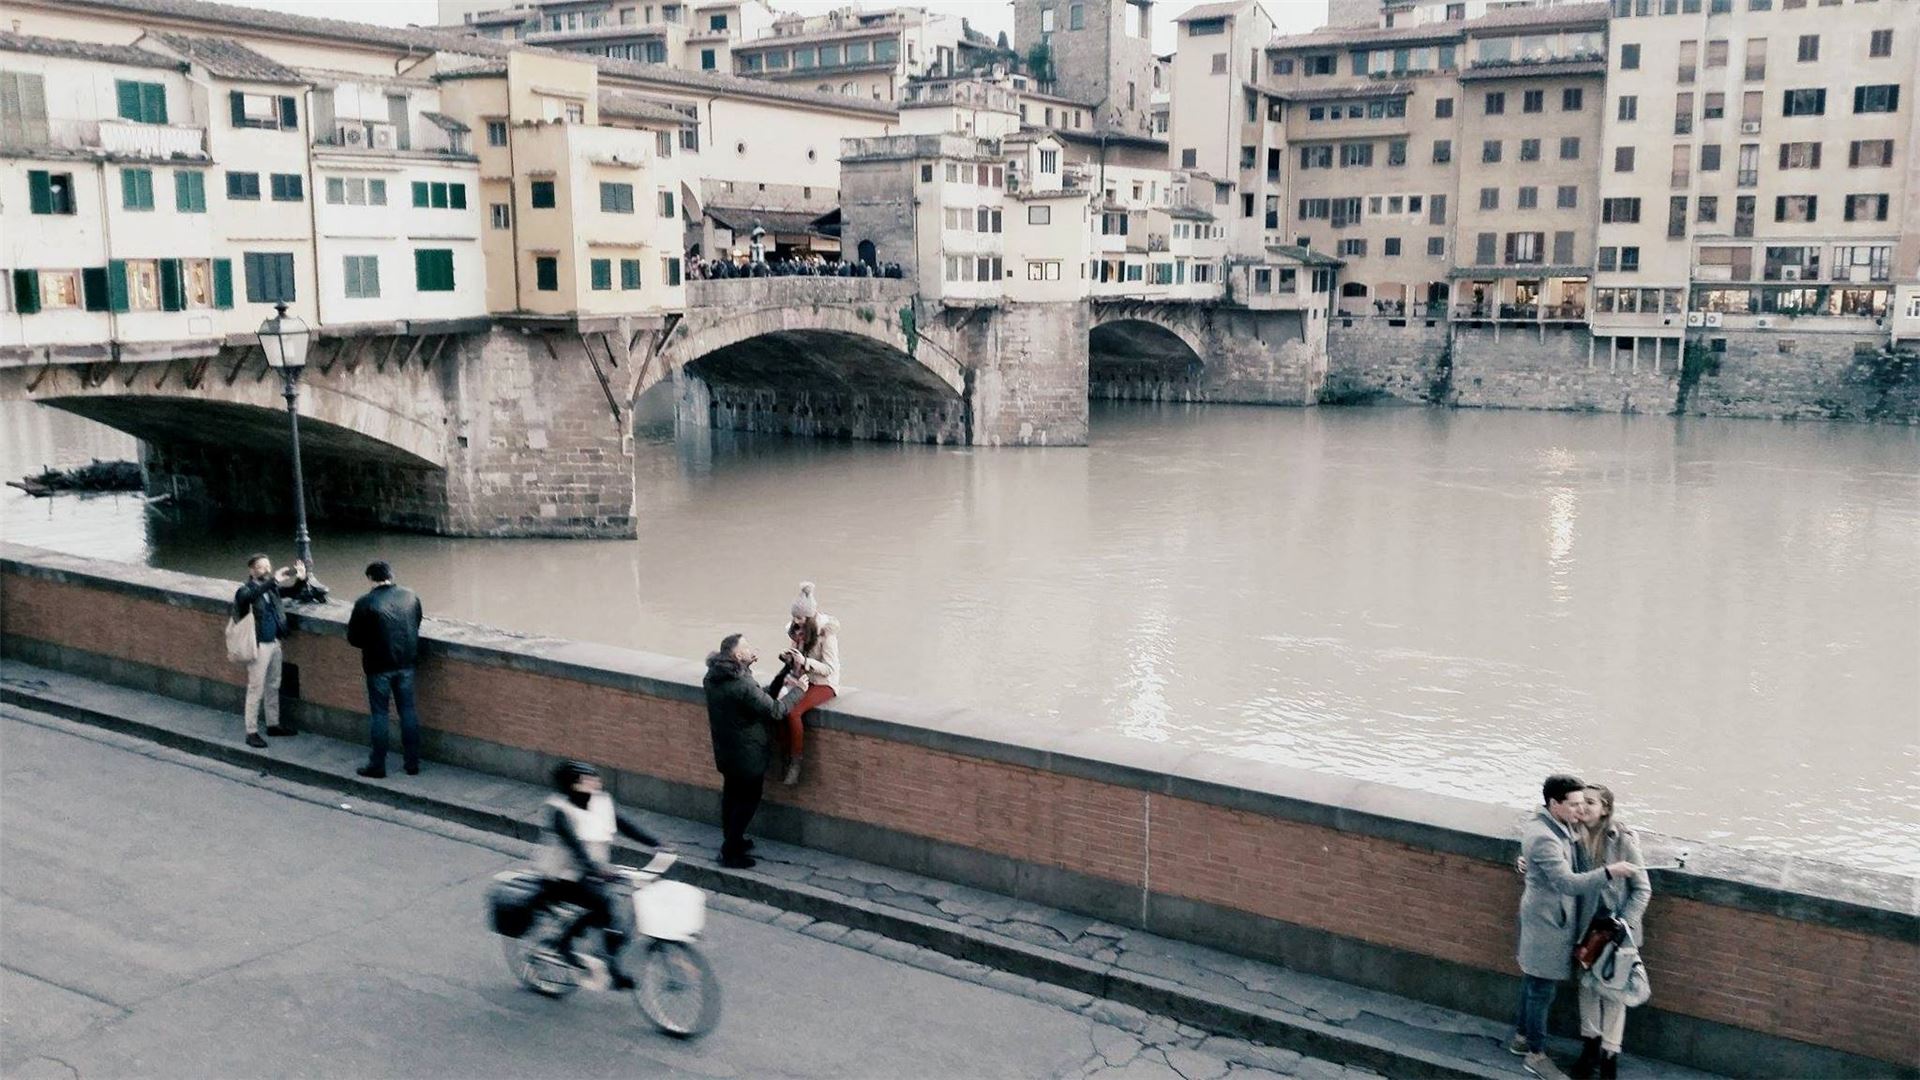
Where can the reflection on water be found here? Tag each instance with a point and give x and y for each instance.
(1720, 618)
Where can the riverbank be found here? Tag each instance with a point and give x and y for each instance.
(1784, 961)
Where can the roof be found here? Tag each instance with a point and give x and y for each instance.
(855, 30)
(227, 59)
(1509, 19)
(634, 107)
(502, 17)
(1304, 256)
(1212, 11)
(475, 71)
(742, 219)
(85, 50)
(1110, 137)
(1557, 15)
(1193, 213)
(444, 122)
(1532, 69)
(415, 39)
(1373, 89)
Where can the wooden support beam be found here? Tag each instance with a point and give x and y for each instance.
(412, 352)
(438, 347)
(246, 353)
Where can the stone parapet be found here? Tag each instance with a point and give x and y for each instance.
(1761, 965)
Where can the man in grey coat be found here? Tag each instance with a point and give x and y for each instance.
(1556, 895)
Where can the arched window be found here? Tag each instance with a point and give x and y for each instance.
(867, 254)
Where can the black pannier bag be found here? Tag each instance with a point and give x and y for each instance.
(511, 901)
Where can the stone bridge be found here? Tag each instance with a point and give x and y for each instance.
(523, 426)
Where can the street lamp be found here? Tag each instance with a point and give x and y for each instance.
(284, 339)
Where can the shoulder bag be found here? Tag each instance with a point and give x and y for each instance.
(243, 644)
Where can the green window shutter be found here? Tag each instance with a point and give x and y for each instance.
(422, 271)
(223, 283)
(128, 95)
(457, 196)
(93, 288)
(237, 105)
(153, 102)
(26, 291)
(136, 189)
(40, 193)
(433, 270)
(190, 192)
(117, 297)
(419, 193)
(173, 286)
(290, 114)
(629, 273)
(439, 196)
(602, 273)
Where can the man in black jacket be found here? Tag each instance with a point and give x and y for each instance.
(263, 594)
(740, 716)
(385, 627)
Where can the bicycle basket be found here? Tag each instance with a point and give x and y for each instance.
(512, 900)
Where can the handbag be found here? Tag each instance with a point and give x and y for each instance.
(1603, 931)
(1620, 974)
(243, 645)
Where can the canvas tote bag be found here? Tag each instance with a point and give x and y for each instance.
(243, 646)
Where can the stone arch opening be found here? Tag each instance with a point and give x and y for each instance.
(1131, 359)
(823, 383)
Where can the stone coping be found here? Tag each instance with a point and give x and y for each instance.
(1792, 887)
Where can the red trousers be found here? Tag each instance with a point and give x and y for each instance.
(814, 697)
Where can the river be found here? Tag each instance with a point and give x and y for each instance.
(1719, 618)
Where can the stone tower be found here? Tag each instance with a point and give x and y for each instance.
(1101, 53)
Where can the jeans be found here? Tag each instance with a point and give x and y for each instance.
(397, 686)
(263, 687)
(739, 798)
(1536, 997)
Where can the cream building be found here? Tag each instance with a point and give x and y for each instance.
(854, 53)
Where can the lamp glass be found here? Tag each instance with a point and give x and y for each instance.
(284, 339)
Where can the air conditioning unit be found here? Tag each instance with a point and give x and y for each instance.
(1749, 127)
(1763, 322)
(381, 136)
(1789, 273)
(1695, 318)
(1713, 318)
(353, 134)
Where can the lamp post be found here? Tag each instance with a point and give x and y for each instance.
(284, 339)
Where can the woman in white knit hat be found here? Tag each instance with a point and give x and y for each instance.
(813, 666)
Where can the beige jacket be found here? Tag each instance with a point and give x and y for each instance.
(821, 664)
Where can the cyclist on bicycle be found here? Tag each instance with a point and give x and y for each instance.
(576, 859)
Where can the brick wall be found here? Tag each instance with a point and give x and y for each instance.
(914, 418)
(1369, 358)
(1029, 375)
(1749, 978)
(1798, 374)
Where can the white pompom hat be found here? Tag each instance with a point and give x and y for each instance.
(804, 605)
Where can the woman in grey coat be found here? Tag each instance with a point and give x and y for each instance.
(1602, 1020)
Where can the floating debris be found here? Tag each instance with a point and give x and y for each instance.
(95, 477)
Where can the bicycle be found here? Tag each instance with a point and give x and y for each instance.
(675, 987)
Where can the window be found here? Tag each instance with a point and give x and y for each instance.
(546, 273)
(190, 191)
(1483, 248)
(1533, 101)
(1047, 16)
(1315, 65)
(1396, 152)
(1717, 53)
(671, 271)
(1629, 260)
(136, 189)
(1525, 247)
(708, 60)
(1352, 247)
(1570, 148)
(50, 192)
(1049, 161)
(1710, 157)
(502, 215)
(141, 102)
(1572, 99)
(856, 52)
(1866, 208)
(1884, 98)
(1620, 211)
(1489, 198)
(1809, 48)
(1563, 248)
(1880, 43)
(1607, 258)
(1528, 199)
(1049, 270)
(1800, 155)
(287, 187)
(600, 274)
(496, 133)
(1756, 59)
(1714, 107)
(362, 275)
(1529, 149)
(1436, 246)
(1629, 58)
(1076, 17)
(1187, 158)
(1749, 169)
(1796, 209)
(140, 278)
(1567, 197)
(1806, 103)
(1442, 108)
(1629, 107)
(1709, 210)
(269, 277)
(1623, 159)
(1676, 217)
(1870, 153)
(263, 111)
(1496, 103)
(1442, 151)
(540, 192)
(616, 198)
(1356, 155)
(1490, 151)
(629, 274)
(1316, 157)
(1743, 211)
(243, 185)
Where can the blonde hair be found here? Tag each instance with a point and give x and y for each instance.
(1596, 838)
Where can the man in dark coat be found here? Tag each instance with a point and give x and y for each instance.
(740, 716)
(385, 627)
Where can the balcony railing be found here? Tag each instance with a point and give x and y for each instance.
(1567, 312)
(119, 138)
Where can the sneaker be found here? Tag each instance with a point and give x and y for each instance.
(254, 740)
(1517, 1046)
(413, 770)
(281, 730)
(1543, 1067)
(739, 862)
(371, 773)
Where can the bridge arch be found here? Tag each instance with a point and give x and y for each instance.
(1143, 352)
(727, 341)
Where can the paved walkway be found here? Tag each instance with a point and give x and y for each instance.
(1170, 998)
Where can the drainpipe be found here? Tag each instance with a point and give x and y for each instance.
(513, 201)
(106, 243)
(313, 212)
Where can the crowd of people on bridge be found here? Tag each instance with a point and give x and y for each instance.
(1581, 911)
(808, 265)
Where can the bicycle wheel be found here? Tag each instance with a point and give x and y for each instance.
(678, 990)
(535, 960)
